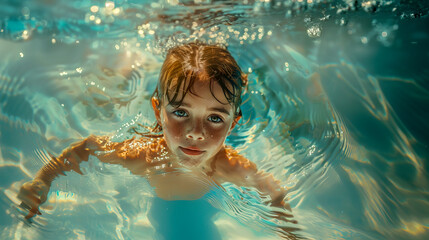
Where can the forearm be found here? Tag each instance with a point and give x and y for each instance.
(277, 195)
(67, 161)
(267, 184)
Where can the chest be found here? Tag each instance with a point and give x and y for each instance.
(173, 182)
(180, 185)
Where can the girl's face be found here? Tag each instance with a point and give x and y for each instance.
(196, 130)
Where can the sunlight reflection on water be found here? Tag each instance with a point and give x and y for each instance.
(336, 109)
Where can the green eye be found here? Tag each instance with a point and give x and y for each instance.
(215, 119)
(180, 113)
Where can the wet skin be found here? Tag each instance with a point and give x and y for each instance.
(193, 139)
(196, 130)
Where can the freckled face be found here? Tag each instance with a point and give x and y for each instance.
(196, 130)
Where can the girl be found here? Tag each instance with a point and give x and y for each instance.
(196, 105)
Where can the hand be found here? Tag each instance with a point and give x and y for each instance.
(32, 194)
(284, 217)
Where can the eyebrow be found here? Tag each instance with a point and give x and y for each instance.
(217, 109)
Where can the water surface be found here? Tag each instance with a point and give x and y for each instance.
(336, 109)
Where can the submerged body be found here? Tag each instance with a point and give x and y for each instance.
(184, 219)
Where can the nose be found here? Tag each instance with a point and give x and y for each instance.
(196, 131)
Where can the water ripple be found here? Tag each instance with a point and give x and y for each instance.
(329, 111)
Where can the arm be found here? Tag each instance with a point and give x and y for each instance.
(127, 153)
(130, 153)
(266, 183)
(242, 172)
(67, 161)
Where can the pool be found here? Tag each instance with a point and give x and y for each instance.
(336, 109)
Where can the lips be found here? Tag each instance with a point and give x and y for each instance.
(191, 151)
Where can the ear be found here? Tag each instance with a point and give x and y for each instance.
(156, 109)
(234, 123)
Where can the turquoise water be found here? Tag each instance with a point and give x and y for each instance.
(336, 109)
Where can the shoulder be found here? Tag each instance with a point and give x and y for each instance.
(236, 160)
(146, 144)
(130, 148)
(234, 167)
(142, 142)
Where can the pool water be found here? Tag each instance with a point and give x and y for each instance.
(336, 109)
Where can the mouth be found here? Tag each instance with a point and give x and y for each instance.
(191, 151)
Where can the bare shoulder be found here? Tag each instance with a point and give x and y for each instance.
(134, 148)
(238, 161)
(234, 167)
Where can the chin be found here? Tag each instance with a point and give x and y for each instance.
(190, 162)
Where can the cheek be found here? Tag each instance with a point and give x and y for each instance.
(172, 127)
(216, 134)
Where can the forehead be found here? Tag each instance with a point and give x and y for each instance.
(201, 91)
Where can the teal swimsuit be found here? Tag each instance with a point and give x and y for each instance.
(183, 219)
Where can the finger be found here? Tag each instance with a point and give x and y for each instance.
(34, 211)
(24, 206)
(283, 214)
(29, 215)
(30, 202)
(287, 206)
(31, 210)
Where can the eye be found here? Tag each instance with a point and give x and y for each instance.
(180, 113)
(215, 119)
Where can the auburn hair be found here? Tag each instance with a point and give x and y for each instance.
(191, 62)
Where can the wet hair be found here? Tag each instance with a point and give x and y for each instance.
(191, 62)
(188, 63)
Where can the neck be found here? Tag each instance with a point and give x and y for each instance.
(209, 167)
